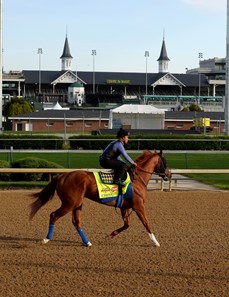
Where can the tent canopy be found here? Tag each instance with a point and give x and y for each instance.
(138, 109)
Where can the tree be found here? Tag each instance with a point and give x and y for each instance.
(192, 107)
(17, 106)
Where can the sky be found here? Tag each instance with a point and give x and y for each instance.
(120, 31)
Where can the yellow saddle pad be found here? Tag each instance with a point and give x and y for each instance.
(109, 189)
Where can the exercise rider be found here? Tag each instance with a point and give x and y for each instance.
(110, 157)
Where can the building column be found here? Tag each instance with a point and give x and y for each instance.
(213, 91)
(19, 89)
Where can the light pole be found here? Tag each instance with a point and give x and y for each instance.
(40, 52)
(0, 66)
(226, 112)
(146, 55)
(200, 56)
(93, 54)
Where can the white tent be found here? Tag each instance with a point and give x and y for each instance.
(137, 117)
(57, 106)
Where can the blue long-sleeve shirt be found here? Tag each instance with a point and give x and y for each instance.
(116, 149)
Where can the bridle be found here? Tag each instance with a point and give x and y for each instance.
(163, 175)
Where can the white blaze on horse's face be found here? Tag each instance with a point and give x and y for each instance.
(164, 170)
(168, 173)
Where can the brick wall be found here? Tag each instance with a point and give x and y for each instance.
(55, 125)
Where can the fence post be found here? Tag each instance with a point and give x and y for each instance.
(186, 160)
(11, 154)
(68, 159)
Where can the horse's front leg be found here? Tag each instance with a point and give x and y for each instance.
(140, 211)
(77, 224)
(126, 219)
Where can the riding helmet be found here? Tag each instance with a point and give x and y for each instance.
(122, 133)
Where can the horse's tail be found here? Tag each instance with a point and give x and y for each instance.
(43, 197)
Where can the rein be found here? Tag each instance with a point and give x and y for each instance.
(139, 176)
(149, 172)
(142, 180)
(143, 170)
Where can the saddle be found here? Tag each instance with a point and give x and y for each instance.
(108, 191)
(108, 177)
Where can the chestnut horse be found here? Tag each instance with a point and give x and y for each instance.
(72, 187)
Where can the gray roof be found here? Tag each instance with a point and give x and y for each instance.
(104, 114)
(67, 114)
(181, 115)
(135, 79)
(47, 76)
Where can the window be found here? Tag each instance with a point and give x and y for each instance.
(88, 125)
(49, 124)
(19, 127)
(69, 124)
(179, 126)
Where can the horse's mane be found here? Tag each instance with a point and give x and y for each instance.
(145, 157)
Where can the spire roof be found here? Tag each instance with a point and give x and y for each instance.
(163, 55)
(66, 51)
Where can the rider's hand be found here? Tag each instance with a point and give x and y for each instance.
(132, 166)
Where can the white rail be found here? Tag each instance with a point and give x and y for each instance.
(51, 171)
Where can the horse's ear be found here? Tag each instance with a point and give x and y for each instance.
(161, 152)
(155, 151)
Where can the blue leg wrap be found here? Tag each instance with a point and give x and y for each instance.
(50, 232)
(82, 235)
(119, 200)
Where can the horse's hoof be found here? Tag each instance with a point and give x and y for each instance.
(88, 244)
(154, 240)
(44, 241)
(156, 244)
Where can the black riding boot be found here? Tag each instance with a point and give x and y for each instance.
(118, 175)
(119, 182)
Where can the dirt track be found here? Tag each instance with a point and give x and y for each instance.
(193, 260)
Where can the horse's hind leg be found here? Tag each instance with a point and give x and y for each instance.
(54, 216)
(126, 219)
(77, 224)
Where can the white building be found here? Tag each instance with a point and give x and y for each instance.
(137, 117)
(76, 93)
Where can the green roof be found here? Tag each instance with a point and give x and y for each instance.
(76, 84)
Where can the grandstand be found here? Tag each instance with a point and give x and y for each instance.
(207, 103)
(165, 89)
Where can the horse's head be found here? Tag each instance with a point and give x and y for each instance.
(162, 168)
(157, 160)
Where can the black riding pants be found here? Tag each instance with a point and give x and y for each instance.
(118, 166)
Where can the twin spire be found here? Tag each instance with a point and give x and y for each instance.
(66, 58)
(163, 60)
